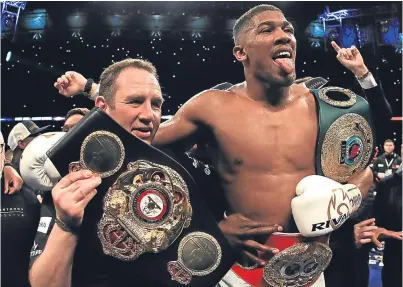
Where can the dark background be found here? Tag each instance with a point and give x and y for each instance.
(186, 64)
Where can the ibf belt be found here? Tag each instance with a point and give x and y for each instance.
(145, 210)
(346, 139)
(300, 262)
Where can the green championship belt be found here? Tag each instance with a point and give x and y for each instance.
(346, 137)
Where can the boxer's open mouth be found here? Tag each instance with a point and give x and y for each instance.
(283, 58)
(282, 54)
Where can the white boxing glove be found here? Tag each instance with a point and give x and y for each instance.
(37, 171)
(323, 205)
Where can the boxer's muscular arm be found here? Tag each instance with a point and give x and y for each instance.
(363, 181)
(54, 265)
(184, 127)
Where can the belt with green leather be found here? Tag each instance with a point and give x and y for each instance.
(346, 137)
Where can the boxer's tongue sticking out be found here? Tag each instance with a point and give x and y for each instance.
(285, 61)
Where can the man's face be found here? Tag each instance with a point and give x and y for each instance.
(71, 122)
(138, 101)
(270, 48)
(389, 147)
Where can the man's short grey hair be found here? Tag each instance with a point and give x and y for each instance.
(107, 83)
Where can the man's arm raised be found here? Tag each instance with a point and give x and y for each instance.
(70, 196)
(189, 121)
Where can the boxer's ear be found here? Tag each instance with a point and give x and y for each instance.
(100, 102)
(239, 53)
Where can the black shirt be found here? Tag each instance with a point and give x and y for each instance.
(19, 221)
(386, 162)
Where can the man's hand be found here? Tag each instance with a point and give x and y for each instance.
(12, 180)
(241, 233)
(72, 194)
(366, 232)
(70, 84)
(351, 59)
(382, 233)
(381, 175)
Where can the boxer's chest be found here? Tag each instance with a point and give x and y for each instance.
(258, 139)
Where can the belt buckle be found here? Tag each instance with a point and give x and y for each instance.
(145, 210)
(297, 265)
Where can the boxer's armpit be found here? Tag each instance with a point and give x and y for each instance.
(363, 181)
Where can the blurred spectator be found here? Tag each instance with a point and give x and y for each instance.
(387, 163)
(386, 225)
(20, 136)
(19, 221)
(73, 117)
(388, 215)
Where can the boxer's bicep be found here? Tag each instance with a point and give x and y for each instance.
(363, 181)
(187, 121)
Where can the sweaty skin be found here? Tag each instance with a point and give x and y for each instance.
(264, 129)
(262, 152)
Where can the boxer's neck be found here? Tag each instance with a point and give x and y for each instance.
(276, 97)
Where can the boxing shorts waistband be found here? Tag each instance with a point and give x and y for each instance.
(300, 262)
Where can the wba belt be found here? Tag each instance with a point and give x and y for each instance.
(346, 137)
(148, 214)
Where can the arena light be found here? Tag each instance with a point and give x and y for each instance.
(37, 36)
(76, 34)
(315, 44)
(35, 20)
(77, 20)
(8, 57)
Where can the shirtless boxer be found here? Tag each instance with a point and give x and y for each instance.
(284, 116)
(265, 130)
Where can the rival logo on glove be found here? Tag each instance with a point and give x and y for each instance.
(336, 221)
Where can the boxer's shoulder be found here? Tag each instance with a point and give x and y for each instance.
(301, 91)
(210, 98)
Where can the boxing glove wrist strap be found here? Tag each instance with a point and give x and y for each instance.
(73, 230)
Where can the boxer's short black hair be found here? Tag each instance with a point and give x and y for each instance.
(389, 141)
(246, 19)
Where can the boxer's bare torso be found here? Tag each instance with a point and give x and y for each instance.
(263, 151)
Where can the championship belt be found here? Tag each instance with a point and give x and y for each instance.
(346, 137)
(300, 263)
(148, 216)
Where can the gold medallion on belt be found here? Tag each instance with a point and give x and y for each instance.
(297, 265)
(145, 210)
(347, 147)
